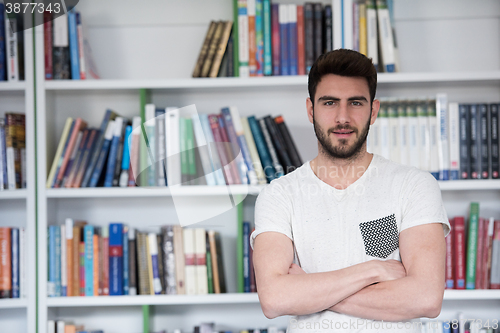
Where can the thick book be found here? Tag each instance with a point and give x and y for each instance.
(204, 49)
(465, 136)
(213, 256)
(142, 266)
(318, 29)
(284, 44)
(79, 126)
(54, 257)
(153, 250)
(47, 43)
(252, 43)
(279, 144)
(493, 141)
(60, 50)
(449, 272)
(103, 155)
(474, 142)
(86, 156)
(179, 260)
(125, 259)
(262, 149)
(220, 263)
(212, 48)
(59, 151)
(5, 264)
(470, 277)
(190, 262)
(483, 136)
(266, 27)
(454, 140)
(168, 259)
(108, 116)
(132, 262)
(301, 57)
(115, 259)
(459, 248)
(88, 232)
(386, 38)
(309, 35)
(200, 256)
(293, 53)
(221, 48)
(161, 271)
(113, 151)
(288, 141)
(259, 39)
(275, 39)
(73, 45)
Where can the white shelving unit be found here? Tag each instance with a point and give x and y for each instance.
(17, 207)
(155, 46)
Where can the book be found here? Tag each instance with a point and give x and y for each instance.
(179, 260)
(11, 42)
(5, 263)
(472, 246)
(327, 29)
(301, 56)
(169, 267)
(212, 48)
(160, 147)
(495, 257)
(69, 262)
(119, 154)
(246, 256)
(76, 158)
(142, 266)
(362, 28)
(159, 242)
(54, 266)
(203, 150)
(288, 142)
(81, 52)
(474, 142)
(479, 256)
(3, 157)
(459, 248)
(278, 144)
(47, 36)
(449, 273)
(266, 27)
(371, 32)
(493, 141)
(134, 170)
(153, 248)
(488, 253)
(204, 49)
(443, 143)
(252, 42)
(190, 262)
(210, 276)
(259, 38)
(60, 147)
(96, 258)
(89, 259)
(284, 36)
(262, 149)
(484, 134)
(242, 44)
(309, 35)
(200, 247)
(221, 150)
(414, 136)
(73, 45)
(433, 138)
(103, 155)
(386, 38)
(275, 39)
(252, 148)
(14, 258)
(173, 147)
(125, 283)
(318, 29)
(132, 263)
(60, 50)
(292, 40)
(126, 158)
(79, 126)
(113, 143)
(115, 259)
(215, 265)
(230, 146)
(64, 262)
(454, 140)
(212, 149)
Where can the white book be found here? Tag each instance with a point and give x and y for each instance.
(384, 134)
(413, 134)
(11, 170)
(203, 149)
(64, 263)
(153, 250)
(403, 133)
(242, 142)
(11, 48)
(386, 39)
(374, 137)
(372, 33)
(369, 140)
(257, 164)
(395, 145)
(190, 282)
(348, 24)
(201, 260)
(160, 149)
(243, 38)
(337, 24)
(173, 148)
(149, 126)
(51, 326)
(60, 326)
(22, 263)
(424, 135)
(214, 153)
(442, 136)
(433, 139)
(454, 140)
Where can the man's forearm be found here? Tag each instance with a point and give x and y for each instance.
(395, 300)
(302, 294)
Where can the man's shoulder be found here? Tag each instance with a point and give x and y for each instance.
(408, 175)
(288, 183)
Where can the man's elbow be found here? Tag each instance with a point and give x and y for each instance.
(431, 305)
(270, 305)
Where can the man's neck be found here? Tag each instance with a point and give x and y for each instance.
(338, 172)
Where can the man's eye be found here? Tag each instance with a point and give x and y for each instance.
(329, 103)
(357, 103)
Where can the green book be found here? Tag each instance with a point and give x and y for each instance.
(236, 57)
(239, 248)
(210, 276)
(190, 153)
(470, 271)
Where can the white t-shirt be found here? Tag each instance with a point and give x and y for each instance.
(332, 229)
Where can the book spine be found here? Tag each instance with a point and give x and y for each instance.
(443, 144)
(262, 149)
(82, 268)
(487, 271)
(68, 223)
(119, 155)
(454, 135)
(71, 146)
(266, 24)
(191, 156)
(200, 247)
(142, 264)
(371, 33)
(23, 292)
(413, 134)
(81, 53)
(108, 136)
(475, 157)
(246, 256)
(253, 286)
(3, 157)
(309, 35)
(10, 144)
(362, 29)
(95, 261)
(61, 56)
(494, 143)
(236, 164)
(64, 262)
(386, 38)
(3, 69)
(257, 164)
(288, 141)
(100, 262)
(220, 263)
(495, 257)
(214, 264)
(76, 261)
(278, 144)
(132, 264)
(5, 264)
(88, 231)
(348, 24)
(292, 40)
(472, 246)
(179, 260)
(212, 49)
(169, 260)
(450, 278)
(301, 57)
(318, 29)
(190, 263)
(433, 135)
(125, 275)
(243, 39)
(479, 254)
(210, 275)
(328, 27)
(126, 158)
(259, 39)
(483, 139)
(113, 151)
(203, 150)
(159, 243)
(57, 261)
(465, 136)
(172, 138)
(214, 125)
(73, 46)
(47, 34)
(11, 48)
(184, 151)
(115, 259)
(459, 255)
(15, 262)
(212, 149)
(275, 37)
(284, 36)
(160, 146)
(204, 49)
(76, 158)
(230, 61)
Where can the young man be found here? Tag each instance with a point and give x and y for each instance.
(350, 241)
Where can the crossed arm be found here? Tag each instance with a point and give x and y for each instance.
(378, 290)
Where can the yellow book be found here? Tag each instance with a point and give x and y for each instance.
(59, 151)
(362, 29)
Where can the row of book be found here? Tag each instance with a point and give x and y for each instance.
(450, 140)
(61, 326)
(12, 151)
(67, 53)
(86, 260)
(11, 46)
(473, 252)
(12, 262)
(179, 146)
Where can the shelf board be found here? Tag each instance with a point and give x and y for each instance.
(470, 185)
(12, 86)
(236, 298)
(133, 192)
(479, 294)
(270, 81)
(13, 194)
(13, 303)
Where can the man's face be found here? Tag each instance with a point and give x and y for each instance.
(342, 115)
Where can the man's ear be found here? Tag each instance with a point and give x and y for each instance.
(375, 109)
(310, 109)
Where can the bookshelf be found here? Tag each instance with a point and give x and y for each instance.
(17, 207)
(135, 45)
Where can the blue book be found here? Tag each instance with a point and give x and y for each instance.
(3, 156)
(233, 138)
(3, 62)
(246, 257)
(63, 153)
(262, 149)
(283, 20)
(103, 155)
(293, 55)
(125, 260)
(266, 25)
(73, 46)
(54, 283)
(113, 152)
(115, 259)
(126, 149)
(88, 234)
(14, 234)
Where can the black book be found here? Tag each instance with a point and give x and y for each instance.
(465, 136)
(475, 158)
(220, 263)
(132, 263)
(318, 30)
(279, 144)
(327, 31)
(119, 155)
(483, 141)
(293, 152)
(20, 45)
(159, 240)
(494, 149)
(309, 35)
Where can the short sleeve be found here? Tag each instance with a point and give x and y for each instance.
(272, 212)
(422, 202)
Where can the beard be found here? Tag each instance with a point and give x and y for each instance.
(343, 150)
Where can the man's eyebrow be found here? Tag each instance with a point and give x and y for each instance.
(357, 98)
(328, 98)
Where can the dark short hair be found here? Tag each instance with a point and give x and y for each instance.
(343, 62)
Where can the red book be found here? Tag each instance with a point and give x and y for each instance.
(105, 262)
(496, 239)
(275, 38)
(95, 243)
(488, 239)
(47, 36)
(221, 148)
(459, 255)
(5, 263)
(450, 277)
(301, 45)
(252, 42)
(479, 254)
